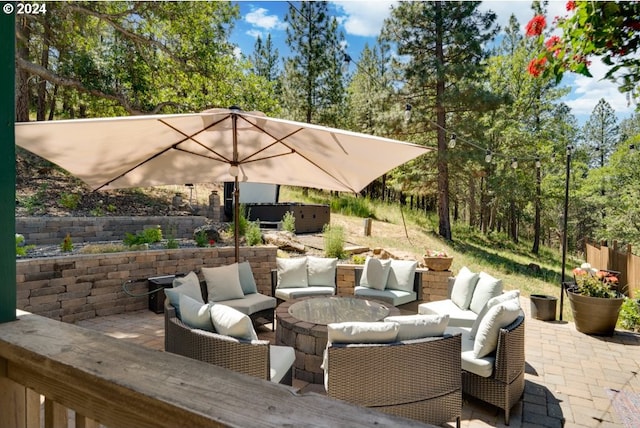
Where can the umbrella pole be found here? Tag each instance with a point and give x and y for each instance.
(236, 218)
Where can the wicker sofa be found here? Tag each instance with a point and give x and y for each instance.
(417, 379)
(394, 297)
(252, 357)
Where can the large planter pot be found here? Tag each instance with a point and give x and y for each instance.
(438, 263)
(595, 315)
(543, 307)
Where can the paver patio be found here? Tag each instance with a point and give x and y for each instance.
(567, 372)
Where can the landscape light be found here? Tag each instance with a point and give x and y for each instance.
(514, 163)
(452, 141)
(488, 156)
(407, 112)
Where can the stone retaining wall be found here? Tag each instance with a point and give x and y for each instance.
(76, 287)
(52, 230)
(73, 288)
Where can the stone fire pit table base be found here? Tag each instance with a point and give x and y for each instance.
(302, 324)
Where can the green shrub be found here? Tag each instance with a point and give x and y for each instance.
(172, 244)
(358, 259)
(21, 250)
(242, 222)
(66, 246)
(333, 241)
(202, 240)
(103, 248)
(254, 234)
(629, 318)
(70, 200)
(289, 222)
(147, 236)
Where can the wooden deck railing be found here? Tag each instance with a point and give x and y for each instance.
(97, 379)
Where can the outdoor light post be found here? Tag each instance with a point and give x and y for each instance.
(564, 227)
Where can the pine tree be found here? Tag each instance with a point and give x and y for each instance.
(313, 85)
(600, 133)
(265, 59)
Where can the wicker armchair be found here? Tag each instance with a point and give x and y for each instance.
(249, 357)
(417, 379)
(505, 386)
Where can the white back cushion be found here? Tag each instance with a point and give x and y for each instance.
(231, 322)
(375, 273)
(463, 286)
(513, 294)
(401, 275)
(419, 326)
(486, 288)
(499, 316)
(292, 272)
(362, 332)
(195, 314)
(247, 281)
(188, 285)
(321, 271)
(223, 283)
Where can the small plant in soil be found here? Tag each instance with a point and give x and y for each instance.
(67, 244)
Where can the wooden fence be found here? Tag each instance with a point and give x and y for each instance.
(624, 261)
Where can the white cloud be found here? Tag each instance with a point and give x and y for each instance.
(259, 18)
(522, 11)
(364, 18)
(255, 33)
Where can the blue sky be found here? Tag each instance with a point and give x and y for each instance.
(361, 22)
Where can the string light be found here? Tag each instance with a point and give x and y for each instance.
(407, 112)
(452, 141)
(488, 156)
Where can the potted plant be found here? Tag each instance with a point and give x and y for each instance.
(594, 301)
(437, 260)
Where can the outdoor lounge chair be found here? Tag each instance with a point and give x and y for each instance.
(505, 386)
(417, 379)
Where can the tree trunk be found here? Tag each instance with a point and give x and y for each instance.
(513, 223)
(536, 221)
(444, 224)
(23, 95)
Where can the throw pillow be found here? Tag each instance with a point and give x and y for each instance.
(223, 283)
(463, 286)
(322, 271)
(514, 294)
(292, 273)
(247, 281)
(401, 275)
(419, 326)
(375, 273)
(362, 332)
(195, 314)
(188, 285)
(497, 317)
(231, 322)
(486, 288)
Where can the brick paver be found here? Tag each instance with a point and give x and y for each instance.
(567, 372)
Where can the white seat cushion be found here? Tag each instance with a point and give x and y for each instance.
(281, 359)
(251, 303)
(395, 297)
(195, 314)
(362, 332)
(457, 316)
(480, 366)
(513, 294)
(294, 293)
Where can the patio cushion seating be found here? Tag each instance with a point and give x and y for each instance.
(252, 357)
(231, 322)
(498, 377)
(259, 307)
(303, 277)
(513, 294)
(417, 379)
(418, 326)
(195, 314)
(403, 283)
(484, 287)
(223, 282)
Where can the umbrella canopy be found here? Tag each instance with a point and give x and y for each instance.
(212, 146)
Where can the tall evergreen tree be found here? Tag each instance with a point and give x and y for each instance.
(265, 59)
(600, 133)
(443, 42)
(313, 85)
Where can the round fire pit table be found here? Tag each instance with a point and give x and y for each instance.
(302, 324)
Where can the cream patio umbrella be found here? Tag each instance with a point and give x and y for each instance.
(212, 146)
